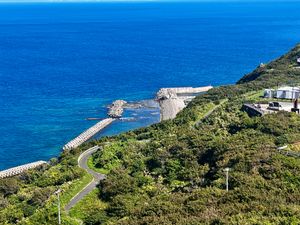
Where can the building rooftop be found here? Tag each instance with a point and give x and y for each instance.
(288, 88)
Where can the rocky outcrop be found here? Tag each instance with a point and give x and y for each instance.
(173, 100)
(116, 108)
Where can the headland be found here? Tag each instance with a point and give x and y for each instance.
(173, 100)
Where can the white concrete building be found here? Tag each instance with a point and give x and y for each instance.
(287, 92)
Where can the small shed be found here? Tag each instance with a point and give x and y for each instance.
(268, 93)
(287, 92)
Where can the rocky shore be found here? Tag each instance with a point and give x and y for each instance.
(115, 110)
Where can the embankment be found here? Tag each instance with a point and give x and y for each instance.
(173, 100)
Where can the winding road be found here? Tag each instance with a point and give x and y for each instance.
(97, 177)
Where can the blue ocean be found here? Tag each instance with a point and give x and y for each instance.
(62, 63)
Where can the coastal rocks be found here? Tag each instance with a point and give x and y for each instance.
(170, 107)
(150, 104)
(173, 100)
(116, 109)
(132, 105)
(166, 93)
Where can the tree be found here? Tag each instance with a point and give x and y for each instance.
(9, 186)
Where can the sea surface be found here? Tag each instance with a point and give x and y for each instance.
(61, 63)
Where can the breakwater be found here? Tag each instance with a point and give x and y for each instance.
(86, 135)
(20, 169)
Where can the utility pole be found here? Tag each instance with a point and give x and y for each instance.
(227, 175)
(58, 205)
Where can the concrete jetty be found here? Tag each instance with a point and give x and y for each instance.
(20, 169)
(89, 133)
(173, 100)
(116, 108)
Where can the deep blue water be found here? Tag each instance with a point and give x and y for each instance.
(62, 63)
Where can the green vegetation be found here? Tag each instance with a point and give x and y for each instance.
(92, 166)
(74, 187)
(173, 172)
(29, 198)
(295, 147)
(88, 208)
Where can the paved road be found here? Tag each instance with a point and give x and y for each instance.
(97, 177)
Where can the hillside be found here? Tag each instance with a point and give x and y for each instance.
(173, 172)
(279, 71)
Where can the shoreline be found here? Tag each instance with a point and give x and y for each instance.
(169, 106)
(137, 114)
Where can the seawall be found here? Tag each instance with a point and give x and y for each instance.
(20, 169)
(89, 133)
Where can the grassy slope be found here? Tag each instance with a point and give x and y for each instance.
(86, 205)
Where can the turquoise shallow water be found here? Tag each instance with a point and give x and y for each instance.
(62, 63)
